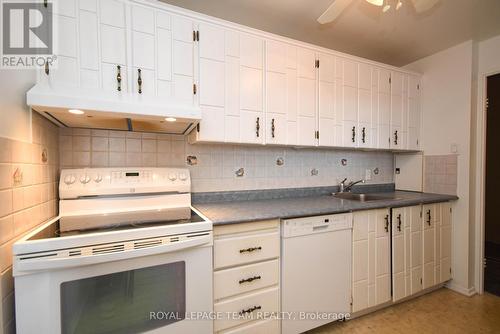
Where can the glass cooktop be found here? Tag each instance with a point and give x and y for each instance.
(107, 224)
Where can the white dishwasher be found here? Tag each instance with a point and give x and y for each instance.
(316, 271)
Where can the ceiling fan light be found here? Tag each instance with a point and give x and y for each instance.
(386, 8)
(376, 2)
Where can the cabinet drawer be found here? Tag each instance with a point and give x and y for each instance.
(262, 301)
(230, 282)
(245, 249)
(259, 327)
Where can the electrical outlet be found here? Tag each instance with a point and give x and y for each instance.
(368, 174)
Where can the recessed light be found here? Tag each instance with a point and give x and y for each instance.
(170, 119)
(76, 111)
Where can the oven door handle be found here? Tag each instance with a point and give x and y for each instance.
(48, 263)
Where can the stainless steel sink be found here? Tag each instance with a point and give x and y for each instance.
(364, 197)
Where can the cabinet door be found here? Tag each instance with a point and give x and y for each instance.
(398, 254)
(326, 108)
(428, 244)
(360, 256)
(276, 93)
(397, 133)
(415, 216)
(351, 132)
(414, 113)
(445, 242)
(383, 108)
(306, 118)
(212, 65)
(383, 256)
(183, 59)
(291, 103)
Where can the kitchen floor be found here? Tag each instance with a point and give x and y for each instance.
(443, 311)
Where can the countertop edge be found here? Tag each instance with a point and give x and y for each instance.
(373, 206)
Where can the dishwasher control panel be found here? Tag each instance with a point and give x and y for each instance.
(317, 224)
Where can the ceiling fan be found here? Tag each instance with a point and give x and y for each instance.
(338, 6)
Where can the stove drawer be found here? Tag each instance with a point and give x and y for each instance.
(233, 251)
(234, 281)
(246, 308)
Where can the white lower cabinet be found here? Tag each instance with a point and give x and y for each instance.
(247, 277)
(371, 275)
(421, 248)
(398, 253)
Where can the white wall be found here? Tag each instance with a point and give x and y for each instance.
(487, 62)
(15, 115)
(446, 105)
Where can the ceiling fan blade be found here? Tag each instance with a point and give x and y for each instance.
(334, 11)
(423, 5)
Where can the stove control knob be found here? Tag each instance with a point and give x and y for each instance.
(69, 179)
(85, 179)
(182, 176)
(98, 178)
(172, 177)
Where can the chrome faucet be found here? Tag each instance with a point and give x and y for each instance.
(348, 188)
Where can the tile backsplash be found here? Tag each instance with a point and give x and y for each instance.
(440, 174)
(217, 164)
(28, 197)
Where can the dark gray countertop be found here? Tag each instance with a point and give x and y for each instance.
(228, 212)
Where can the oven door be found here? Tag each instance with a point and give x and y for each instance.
(160, 293)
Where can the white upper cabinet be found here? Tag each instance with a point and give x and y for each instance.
(414, 113)
(232, 87)
(398, 129)
(276, 93)
(327, 113)
(307, 97)
(365, 106)
(252, 87)
(348, 113)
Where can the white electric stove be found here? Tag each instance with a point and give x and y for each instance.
(128, 254)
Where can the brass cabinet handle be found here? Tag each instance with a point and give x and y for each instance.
(119, 77)
(47, 70)
(45, 3)
(396, 137)
(250, 279)
(353, 134)
(399, 222)
(257, 127)
(273, 128)
(250, 250)
(139, 80)
(387, 223)
(250, 310)
(363, 135)
(429, 217)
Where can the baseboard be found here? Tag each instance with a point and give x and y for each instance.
(469, 292)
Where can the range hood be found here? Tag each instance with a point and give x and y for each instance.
(112, 111)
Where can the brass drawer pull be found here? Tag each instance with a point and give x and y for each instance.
(399, 222)
(139, 80)
(250, 250)
(250, 310)
(387, 223)
(363, 138)
(250, 279)
(273, 128)
(119, 77)
(429, 217)
(396, 137)
(353, 134)
(257, 127)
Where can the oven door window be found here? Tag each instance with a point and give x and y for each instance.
(124, 302)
